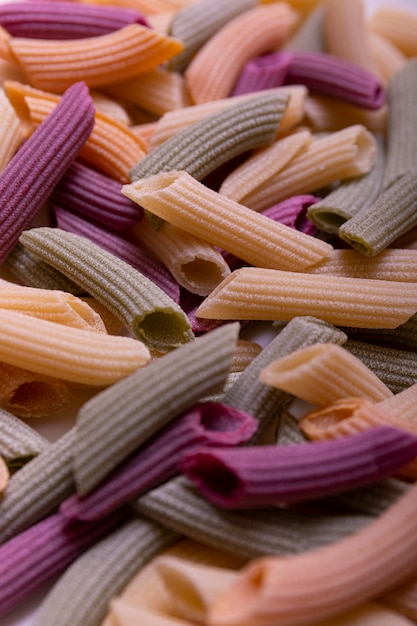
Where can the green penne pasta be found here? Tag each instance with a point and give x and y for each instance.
(403, 335)
(30, 270)
(147, 312)
(18, 441)
(350, 197)
(257, 532)
(196, 23)
(402, 123)
(264, 402)
(120, 418)
(91, 586)
(309, 37)
(392, 214)
(372, 500)
(288, 432)
(202, 147)
(37, 488)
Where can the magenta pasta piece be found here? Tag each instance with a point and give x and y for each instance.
(206, 424)
(30, 176)
(264, 72)
(96, 197)
(189, 304)
(43, 551)
(123, 249)
(293, 212)
(260, 476)
(335, 77)
(64, 20)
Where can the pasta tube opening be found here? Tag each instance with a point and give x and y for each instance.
(202, 275)
(160, 328)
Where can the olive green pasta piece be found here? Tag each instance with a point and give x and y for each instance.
(18, 441)
(101, 573)
(114, 422)
(147, 312)
(309, 37)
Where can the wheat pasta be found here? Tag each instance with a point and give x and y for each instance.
(387, 58)
(181, 200)
(343, 154)
(264, 294)
(10, 132)
(143, 307)
(325, 114)
(398, 26)
(126, 52)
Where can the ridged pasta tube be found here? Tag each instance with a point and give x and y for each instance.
(144, 308)
(18, 441)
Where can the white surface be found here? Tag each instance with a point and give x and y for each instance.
(53, 428)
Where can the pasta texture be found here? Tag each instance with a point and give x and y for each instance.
(264, 294)
(18, 441)
(10, 131)
(188, 204)
(398, 26)
(143, 307)
(324, 114)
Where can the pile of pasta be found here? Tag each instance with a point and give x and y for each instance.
(208, 260)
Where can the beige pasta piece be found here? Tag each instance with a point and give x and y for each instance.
(11, 135)
(398, 26)
(215, 68)
(124, 614)
(28, 394)
(173, 122)
(387, 58)
(4, 475)
(390, 264)
(188, 204)
(72, 354)
(50, 304)
(157, 91)
(244, 354)
(264, 294)
(328, 114)
(263, 165)
(343, 154)
(403, 404)
(323, 373)
(110, 108)
(121, 54)
(346, 32)
(195, 264)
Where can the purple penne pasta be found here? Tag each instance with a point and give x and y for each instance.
(45, 550)
(96, 197)
(293, 212)
(123, 249)
(189, 304)
(265, 72)
(260, 476)
(332, 76)
(208, 424)
(64, 20)
(30, 176)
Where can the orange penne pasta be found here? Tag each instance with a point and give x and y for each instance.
(149, 7)
(397, 25)
(215, 68)
(124, 53)
(387, 58)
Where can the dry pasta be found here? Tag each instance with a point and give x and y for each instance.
(10, 131)
(310, 34)
(387, 58)
(264, 294)
(328, 114)
(398, 26)
(188, 204)
(19, 442)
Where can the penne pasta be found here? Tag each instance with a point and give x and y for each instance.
(387, 58)
(398, 26)
(310, 34)
(4, 475)
(10, 131)
(325, 114)
(264, 294)
(19, 442)
(124, 53)
(181, 200)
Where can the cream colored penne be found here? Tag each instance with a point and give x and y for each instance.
(322, 584)
(390, 264)
(398, 26)
(11, 135)
(195, 264)
(344, 154)
(124, 614)
(188, 204)
(175, 121)
(193, 587)
(264, 294)
(402, 404)
(328, 114)
(263, 165)
(346, 32)
(50, 304)
(157, 91)
(323, 373)
(72, 354)
(387, 58)
(215, 68)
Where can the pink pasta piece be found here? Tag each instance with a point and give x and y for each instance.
(258, 476)
(64, 20)
(96, 197)
(43, 551)
(29, 178)
(264, 72)
(208, 424)
(189, 304)
(293, 212)
(120, 247)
